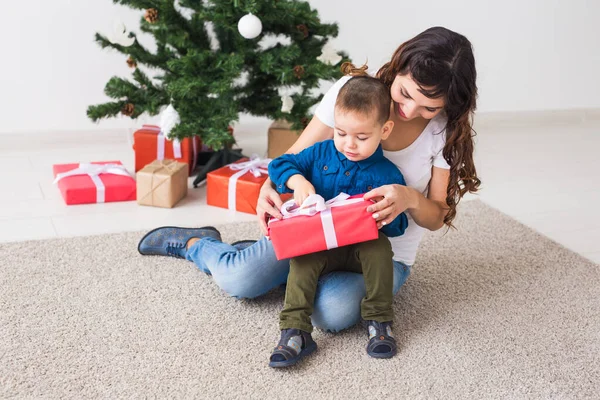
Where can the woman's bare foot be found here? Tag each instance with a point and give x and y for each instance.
(191, 242)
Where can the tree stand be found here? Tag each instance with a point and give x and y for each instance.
(217, 160)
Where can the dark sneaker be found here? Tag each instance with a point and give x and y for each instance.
(242, 244)
(171, 240)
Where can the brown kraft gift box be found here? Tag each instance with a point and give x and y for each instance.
(281, 138)
(162, 183)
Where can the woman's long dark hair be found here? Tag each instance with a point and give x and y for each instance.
(442, 61)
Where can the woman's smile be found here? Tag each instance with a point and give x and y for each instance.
(400, 113)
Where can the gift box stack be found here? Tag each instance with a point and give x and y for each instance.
(163, 167)
(149, 144)
(318, 225)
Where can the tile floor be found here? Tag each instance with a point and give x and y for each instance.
(543, 171)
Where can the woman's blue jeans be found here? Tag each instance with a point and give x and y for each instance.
(255, 270)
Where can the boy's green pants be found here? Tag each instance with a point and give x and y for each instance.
(373, 259)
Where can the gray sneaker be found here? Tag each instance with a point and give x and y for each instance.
(171, 240)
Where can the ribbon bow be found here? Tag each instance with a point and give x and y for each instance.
(93, 170)
(256, 166)
(314, 204)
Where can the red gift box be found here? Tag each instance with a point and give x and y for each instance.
(236, 186)
(149, 145)
(96, 182)
(345, 222)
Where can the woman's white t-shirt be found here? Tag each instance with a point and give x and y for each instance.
(414, 162)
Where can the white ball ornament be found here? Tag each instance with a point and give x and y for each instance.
(250, 26)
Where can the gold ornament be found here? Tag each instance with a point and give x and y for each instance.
(128, 109)
(299, 71)
(303, 29)
(151, 15)
(131, 62)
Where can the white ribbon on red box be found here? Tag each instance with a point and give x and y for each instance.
(93, 170)
(256, 166)
(315, 204)
(160, 143)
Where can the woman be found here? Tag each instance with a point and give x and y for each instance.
(432, 84)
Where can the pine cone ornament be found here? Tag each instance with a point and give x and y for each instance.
(131, 62)
(299, 71)
(128, 109)
(303, 29)
(151, 15)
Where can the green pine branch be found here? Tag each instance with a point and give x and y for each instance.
(139, 4)
(106, 110)
(137, 52)
(210, 88)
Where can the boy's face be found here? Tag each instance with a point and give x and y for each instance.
(357, 135)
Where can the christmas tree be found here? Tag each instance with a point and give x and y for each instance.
(219, 58)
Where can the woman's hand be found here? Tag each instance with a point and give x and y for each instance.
(391, 201)
(269, 204)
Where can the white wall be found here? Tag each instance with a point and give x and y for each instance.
(531, 54)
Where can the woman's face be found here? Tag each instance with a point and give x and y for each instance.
(409, 103)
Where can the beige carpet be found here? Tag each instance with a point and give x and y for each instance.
(492, 310)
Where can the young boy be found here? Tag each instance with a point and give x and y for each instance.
(352, 163)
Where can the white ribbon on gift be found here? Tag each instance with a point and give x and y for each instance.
(314, 204)
(160, 144)
(160, 148)
(93, 170)
(256, 166)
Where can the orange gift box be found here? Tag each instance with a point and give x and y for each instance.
(149, 145)
(236, 186)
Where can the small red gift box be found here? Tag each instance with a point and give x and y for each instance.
(96, 182)
(149, 145)
(344, 221)
(236, 186)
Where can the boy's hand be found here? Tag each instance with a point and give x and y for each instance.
(302, 188)
(303, 191)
